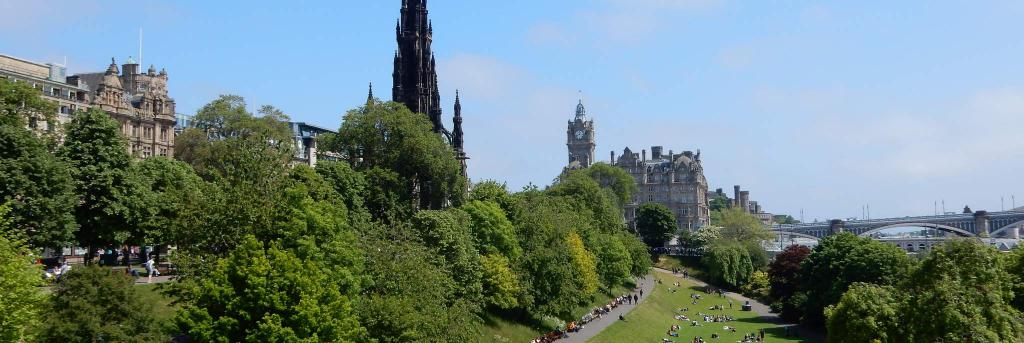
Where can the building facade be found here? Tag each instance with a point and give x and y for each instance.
(138, 101)
(305, 144)
(673, 180)
(415, 74)
(580, 139)
(51, 79)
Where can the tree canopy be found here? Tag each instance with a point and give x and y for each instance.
(38, 188)
(655, 223)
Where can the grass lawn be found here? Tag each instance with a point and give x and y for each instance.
(499, 329)
(688, 263)
(163, 311)
(651, 320)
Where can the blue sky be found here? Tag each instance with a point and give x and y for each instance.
(819, 106)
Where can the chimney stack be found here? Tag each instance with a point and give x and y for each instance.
(613, 157)
(655, 152)
(643, 155)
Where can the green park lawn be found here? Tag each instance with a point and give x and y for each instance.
(650, 321)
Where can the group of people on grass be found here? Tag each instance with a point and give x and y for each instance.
(674, 330)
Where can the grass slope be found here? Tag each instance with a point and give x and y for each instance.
(651, 320)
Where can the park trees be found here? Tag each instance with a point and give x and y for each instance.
(839, 261)
(420, 163)
(866, 313)
(614, 178)
(21, 105)
(961, 293)
(22, 298)
(1015, 267)
(655, 224)
(160, 188)
(38, 188)
(784, 278)
(728, 264)
(98, 156)
(266, 293)
(96, 305)
(958, 293)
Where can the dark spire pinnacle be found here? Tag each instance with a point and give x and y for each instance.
(369, 97)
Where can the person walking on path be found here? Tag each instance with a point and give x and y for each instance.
(151, 269)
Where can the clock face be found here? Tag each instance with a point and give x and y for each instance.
(579, 134)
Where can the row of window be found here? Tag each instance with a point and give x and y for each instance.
(147, 132)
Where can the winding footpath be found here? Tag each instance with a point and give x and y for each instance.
(595, 327)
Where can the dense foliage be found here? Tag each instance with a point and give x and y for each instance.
(960, 292)
(93, 304)
(98, 155)
(655, 223)
(387, 244)
(38, 188)
(22, 298)
(784, 280)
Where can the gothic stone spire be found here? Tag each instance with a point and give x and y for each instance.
(415, 76)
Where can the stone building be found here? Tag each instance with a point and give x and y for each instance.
(741, 200)
(674, 180)
(51, 79)
(580, 139)
(137, 100)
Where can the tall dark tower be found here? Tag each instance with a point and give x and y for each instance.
(580, 139)
(415, 76)
(460, 154)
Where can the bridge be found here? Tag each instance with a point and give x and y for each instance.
(1006, 224)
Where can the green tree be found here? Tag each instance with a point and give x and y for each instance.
(20, 104)
(500, 283)
(228, 140)
(550, 278)
(22, 299)
(492, 231)
(866, 313)
(840, 260)
(38, 188)
(584, 266)
(1015, 267)
(412, 296)
(728, 264)
(785, 219)
(268, 294)
(639, 255)
(718, 204)
(614, 263)
(348, 183)
(99, 160)
(161, 187)
(448, 234)
(590, 196)
(739, 226)
(94, 304)
(655, 223)
(389, 136)
(961, 293)
(618, 180)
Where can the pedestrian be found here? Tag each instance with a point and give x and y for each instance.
(151, 269)
(636, 299)
(641, 293)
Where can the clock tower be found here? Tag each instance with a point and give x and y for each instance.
(580, 139)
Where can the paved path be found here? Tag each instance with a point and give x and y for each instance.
(596, 326)
(144, 280)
